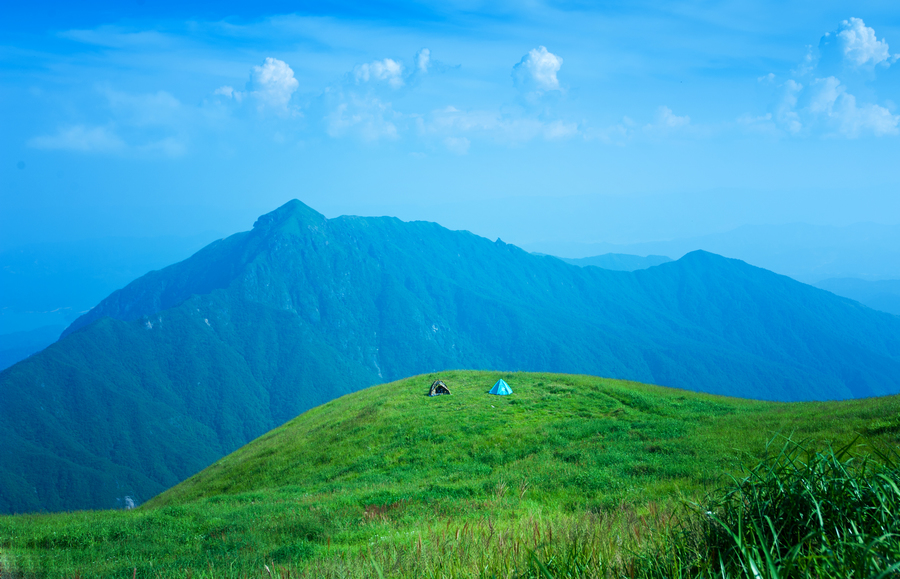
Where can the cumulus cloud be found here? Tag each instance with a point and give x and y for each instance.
(423, 60)
(822, 104)
(80, 138)
(831, 103)
(825, 106)
(273, 83)
(537, 71)
(387, 70)
(860, 46)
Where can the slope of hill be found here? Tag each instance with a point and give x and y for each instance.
(883, 295)
(389, 471)
(190, 362)
(619, 261)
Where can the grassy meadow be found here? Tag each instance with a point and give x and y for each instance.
(571, 476)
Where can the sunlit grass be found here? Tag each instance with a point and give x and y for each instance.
(572, 476)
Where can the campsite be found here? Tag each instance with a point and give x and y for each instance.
(413, 289)
(570, 470)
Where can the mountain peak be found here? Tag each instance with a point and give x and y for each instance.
(293, 212)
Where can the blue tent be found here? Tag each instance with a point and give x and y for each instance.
(501, 388)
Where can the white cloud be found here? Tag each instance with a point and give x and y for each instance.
(386, 70)
(560, 130)
(273, 83)
(860, 46)
(617, 134)
(493, 125)
(831, 103)
(760, 124)
(826, 107)
(423, 59)
(785, 113)
(667, 120)
(537, 70)
(80, 138)
(457, 145)
(225, 91)
(369, 118)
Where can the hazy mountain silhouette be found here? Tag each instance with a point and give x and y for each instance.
(808, 253)
(881, 295)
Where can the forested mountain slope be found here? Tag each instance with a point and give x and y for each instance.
(190, 362)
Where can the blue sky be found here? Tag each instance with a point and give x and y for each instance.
(532, 121)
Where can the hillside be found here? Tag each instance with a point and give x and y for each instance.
(188, 363)
(577, 439)
(388, 469)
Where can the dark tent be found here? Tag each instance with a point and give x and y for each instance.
(438, 388)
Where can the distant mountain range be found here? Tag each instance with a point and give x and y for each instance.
(619, 261)
(186, 364)
(883, 295)
(808, 253)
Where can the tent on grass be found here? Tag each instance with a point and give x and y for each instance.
(437, 388)
(501, 388)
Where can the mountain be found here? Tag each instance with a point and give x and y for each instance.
(808, 253)
(188, 363)
(391, 475)
(619, 261)
(883, 295)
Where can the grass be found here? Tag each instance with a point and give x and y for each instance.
(571, 476)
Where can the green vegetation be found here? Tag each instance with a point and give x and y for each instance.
(798, 513)
(187, 364)
(571, 476)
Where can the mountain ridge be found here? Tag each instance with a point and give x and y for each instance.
(260, 326)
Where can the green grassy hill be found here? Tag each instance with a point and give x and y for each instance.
(388, 476)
